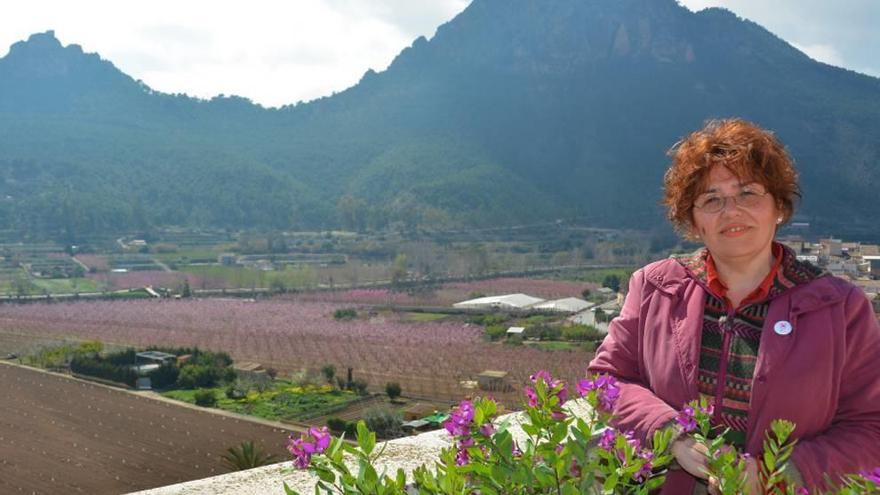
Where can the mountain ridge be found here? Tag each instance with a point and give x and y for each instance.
(515, 110)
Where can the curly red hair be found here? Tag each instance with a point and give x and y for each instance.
(751, 153)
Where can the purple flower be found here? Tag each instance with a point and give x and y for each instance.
(685, 420)
(541, 375)
(606, 442)
(516, 451)
(462, 457)
(585, 386)
(802, 491)
(532, 395)
(607, 391)
(563, 392)
(555, 388)
(459, 422)
(321, 437)
(872, 476)
(301, 458)
(632, 440)
(645, 471)
(709, 410)
(315, 442)
(575, 469)
(487, 430)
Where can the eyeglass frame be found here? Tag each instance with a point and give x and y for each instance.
(735, 197)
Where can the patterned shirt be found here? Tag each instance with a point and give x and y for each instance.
(731, 337)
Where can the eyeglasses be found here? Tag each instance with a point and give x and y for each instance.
(748, 197)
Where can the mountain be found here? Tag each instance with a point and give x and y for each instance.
(515, 111)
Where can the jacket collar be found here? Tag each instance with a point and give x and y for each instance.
(793, 275)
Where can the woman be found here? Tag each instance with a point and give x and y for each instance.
(744, 323)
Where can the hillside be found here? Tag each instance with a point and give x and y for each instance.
(515, 111)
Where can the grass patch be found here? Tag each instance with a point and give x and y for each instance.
(66, 285)
(423, 317)
(283, 401)
(186, 255)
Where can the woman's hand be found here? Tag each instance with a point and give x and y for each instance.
(691, 456)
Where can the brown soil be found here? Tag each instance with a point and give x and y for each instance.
(61, 435)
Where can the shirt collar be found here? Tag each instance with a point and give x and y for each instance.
(761, 292)
(791, 272)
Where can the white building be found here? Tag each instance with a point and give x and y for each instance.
(609, 310)
(567, 305)
(509, 301)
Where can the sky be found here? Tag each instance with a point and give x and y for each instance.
(278, 52)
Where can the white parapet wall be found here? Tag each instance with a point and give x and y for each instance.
(403, 453)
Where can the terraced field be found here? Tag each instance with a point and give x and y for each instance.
(61, 435)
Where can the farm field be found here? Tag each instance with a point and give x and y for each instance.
(59, 435)
(428, 359)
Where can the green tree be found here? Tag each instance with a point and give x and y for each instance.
(205, 397)
(399, 271)
(329, 371)
(393, 390)
(612, 281)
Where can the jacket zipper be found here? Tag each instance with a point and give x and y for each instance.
(726, 324)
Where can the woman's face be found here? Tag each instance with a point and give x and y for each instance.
(736, 231)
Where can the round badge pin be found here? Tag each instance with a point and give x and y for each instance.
(782, 327)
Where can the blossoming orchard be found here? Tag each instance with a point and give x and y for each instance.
(427, 359)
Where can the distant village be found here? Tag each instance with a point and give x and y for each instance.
(854, 261)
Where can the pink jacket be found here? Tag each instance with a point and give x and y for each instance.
(824, 376)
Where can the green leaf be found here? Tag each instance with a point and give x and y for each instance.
(366, 438)
(610, 482)
(289, 491)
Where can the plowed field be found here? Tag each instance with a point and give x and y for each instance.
(60, 435)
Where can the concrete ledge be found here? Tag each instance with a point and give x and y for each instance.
(403, 453)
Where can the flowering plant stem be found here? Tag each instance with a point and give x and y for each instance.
(559, 453)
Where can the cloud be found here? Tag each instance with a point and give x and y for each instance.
(273, 51)
(822, 53)
(842, 33)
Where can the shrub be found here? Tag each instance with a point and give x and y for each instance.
(542, 332)
(490, 319)
(359, 386)
(165, 376)
(197, 376)
(515, 340)
(329, 371)
(581, 333)
(345, 314)
(103, 370)
(308, 378)
(337, 424)
(495, 332)
(393, 390)
(385, 422)
(205, 397)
